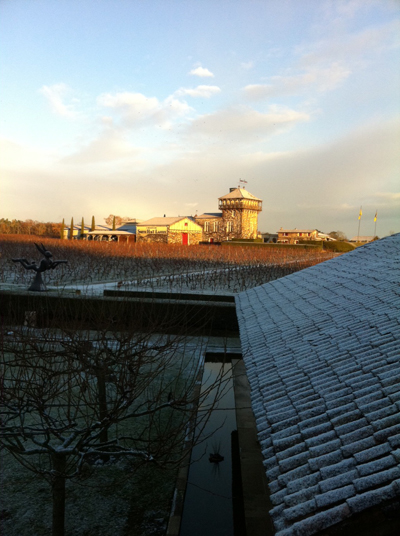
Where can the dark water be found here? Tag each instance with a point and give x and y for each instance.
(208, 509)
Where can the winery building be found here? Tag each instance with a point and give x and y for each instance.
(238, 219)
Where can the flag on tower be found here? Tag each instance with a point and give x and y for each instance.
(359, 216)
(376, 216)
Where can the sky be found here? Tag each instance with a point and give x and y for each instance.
(141, 108)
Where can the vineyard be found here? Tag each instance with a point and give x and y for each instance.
(154, 266)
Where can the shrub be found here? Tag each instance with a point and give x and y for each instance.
(338, 247)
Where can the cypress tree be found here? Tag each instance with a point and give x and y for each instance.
(71, 231)
(82, 228)
(62, 230)
(113, 226)
(93, 224)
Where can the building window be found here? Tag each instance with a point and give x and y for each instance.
(233, 213)
(229, 227)
(207, 226)
(215, 226)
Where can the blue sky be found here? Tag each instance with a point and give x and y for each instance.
(144, 108)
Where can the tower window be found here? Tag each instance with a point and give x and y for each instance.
(229, 227)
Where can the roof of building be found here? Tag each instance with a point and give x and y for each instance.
(321, 348)
(240, 193)
(209, 216)
(281, 230)
(166, 221)
(161, 221)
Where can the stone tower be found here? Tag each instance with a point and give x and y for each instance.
(240, 211)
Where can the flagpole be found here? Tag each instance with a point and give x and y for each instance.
(359, 223)
(376, 217)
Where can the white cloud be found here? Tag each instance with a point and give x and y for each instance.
(55, 95)
(202, 72)
(136, 108)
(319, 79)
(110, 146)
(244, 124)
(247, 65)
(351, 48)
(199, 91)
(390, 196)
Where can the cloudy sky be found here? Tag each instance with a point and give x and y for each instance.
(144, 108)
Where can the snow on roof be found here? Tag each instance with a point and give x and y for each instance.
(240, 193)
(321, 348)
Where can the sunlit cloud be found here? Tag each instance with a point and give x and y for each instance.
(353, 49)
(315, 78)
(202, 72)
(199, 91)
(245, 124)
(136, 108)
(55, 95)
(111, 145)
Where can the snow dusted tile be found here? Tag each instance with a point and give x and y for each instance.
(376, 465)
(301, 496)
(320, 521)
(325, 448)
(357, 446)
(334, 496)
(303, 482)
(371, 498)
(327, 459)
(372, 453)
(338, 481)
(394, 441)
(300, 510)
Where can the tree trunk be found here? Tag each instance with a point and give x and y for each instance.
(59, 462)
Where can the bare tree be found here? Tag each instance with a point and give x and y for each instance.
(72, 397)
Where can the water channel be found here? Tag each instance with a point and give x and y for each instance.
(213, 498)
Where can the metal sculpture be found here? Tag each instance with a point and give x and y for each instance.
(47, 263)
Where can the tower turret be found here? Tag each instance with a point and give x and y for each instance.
(240, 211)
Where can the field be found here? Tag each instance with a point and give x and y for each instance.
(221, 269)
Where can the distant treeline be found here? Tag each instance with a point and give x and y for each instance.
(30, 227)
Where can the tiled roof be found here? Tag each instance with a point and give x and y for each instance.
(240, 193)
(322, 353)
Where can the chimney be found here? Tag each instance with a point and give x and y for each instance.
(231, 189)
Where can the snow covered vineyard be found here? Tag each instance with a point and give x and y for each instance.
(322, 353)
